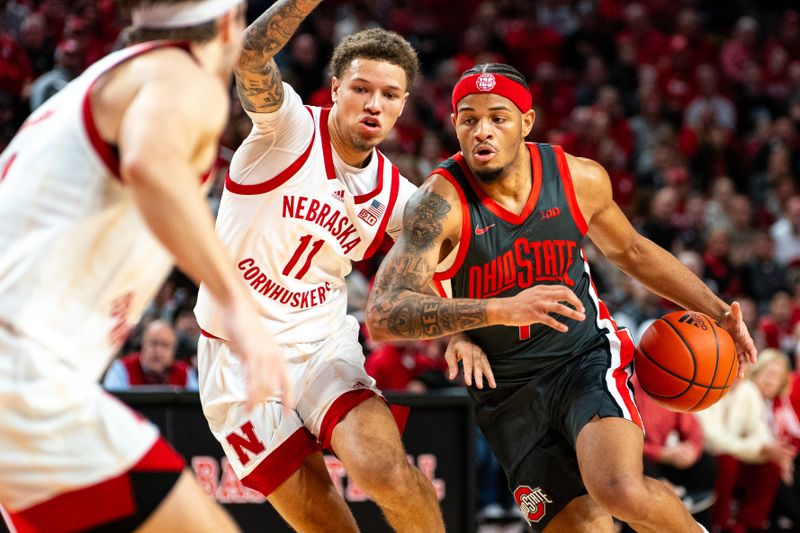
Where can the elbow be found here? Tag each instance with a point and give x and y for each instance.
(376, 326)
(376, 322)
(632, 256)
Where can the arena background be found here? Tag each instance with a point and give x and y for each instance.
(692, 106)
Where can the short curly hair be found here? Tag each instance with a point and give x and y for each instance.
(378, 45)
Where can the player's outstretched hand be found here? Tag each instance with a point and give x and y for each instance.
(745, 349)
(535, 305)
(266, 365)
(475, 361)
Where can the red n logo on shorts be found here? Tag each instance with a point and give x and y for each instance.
(249, 442)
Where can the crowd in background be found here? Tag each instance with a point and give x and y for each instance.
(693, 108)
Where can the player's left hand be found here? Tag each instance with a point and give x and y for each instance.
(474, 360)
(745, 349)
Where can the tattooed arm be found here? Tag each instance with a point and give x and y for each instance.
(258, 80)
(398, 306)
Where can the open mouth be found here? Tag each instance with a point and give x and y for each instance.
(371, 125)
(484, 153)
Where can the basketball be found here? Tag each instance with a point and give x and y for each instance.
(686, 361)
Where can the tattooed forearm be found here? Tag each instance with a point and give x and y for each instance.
(259, 93)
(427, 317)
(401, 307)
(258, 80)
(422, 220)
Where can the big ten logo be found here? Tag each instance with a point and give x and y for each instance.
(224, 486)
(120, 309)
(351, 492)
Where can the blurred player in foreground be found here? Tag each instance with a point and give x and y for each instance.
(100, 191)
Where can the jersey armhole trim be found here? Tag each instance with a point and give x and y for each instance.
(325, 138)
(381, 233)
(569, 190)
(439, 287)
(464, 239)
(101, 147)
(279, 179)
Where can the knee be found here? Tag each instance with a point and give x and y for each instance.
(624, 496)
(383, 475)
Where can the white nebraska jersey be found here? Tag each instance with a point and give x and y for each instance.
(294, 229)
(77, 262)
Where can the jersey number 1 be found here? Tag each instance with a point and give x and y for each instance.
(304, 242)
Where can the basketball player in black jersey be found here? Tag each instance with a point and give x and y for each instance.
(497, 230)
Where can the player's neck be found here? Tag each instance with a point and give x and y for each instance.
(513, 188)
(211, 58)
(345, 150)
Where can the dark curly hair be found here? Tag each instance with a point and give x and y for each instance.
(498, 68)
(378, 45)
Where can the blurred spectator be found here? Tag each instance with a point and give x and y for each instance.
(39, 47)
(15, 67)
(154, 365)
(659, 227)
(763, 276)
(717, 264)
(739, 49)
(738, 432)
(786, 233)
(673, 451)
(709, 106)
(398, 365)
(69, 63)
(777, 325)
(187, 333)
(12, 15)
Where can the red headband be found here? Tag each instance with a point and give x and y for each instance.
(493, 84)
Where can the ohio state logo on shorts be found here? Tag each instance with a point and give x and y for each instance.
(532, 502)
(485, 82)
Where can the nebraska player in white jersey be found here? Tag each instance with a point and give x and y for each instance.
(307, 194)
(95, 185)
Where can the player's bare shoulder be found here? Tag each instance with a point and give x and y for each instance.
(433, 214)
(592, 185)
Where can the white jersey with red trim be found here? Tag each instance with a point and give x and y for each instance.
(294, 229)
(77, 262)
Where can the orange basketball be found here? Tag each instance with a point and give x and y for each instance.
(686, 361)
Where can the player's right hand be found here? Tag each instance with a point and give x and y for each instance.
(461, 348)
(266, 365)
(535, 305)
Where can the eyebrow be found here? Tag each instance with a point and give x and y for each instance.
(393, 87)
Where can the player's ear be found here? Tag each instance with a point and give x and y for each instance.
(528, 120)
(225, 26)
(453, 119)
(335, 85)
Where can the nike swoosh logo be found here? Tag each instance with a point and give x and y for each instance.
(480, 231)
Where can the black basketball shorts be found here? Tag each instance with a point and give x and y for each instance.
(532, 428)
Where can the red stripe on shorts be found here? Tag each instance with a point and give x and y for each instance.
(281, 463)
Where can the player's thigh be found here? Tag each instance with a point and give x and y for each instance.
(582, 515)
(188, 509)
(309, 501)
